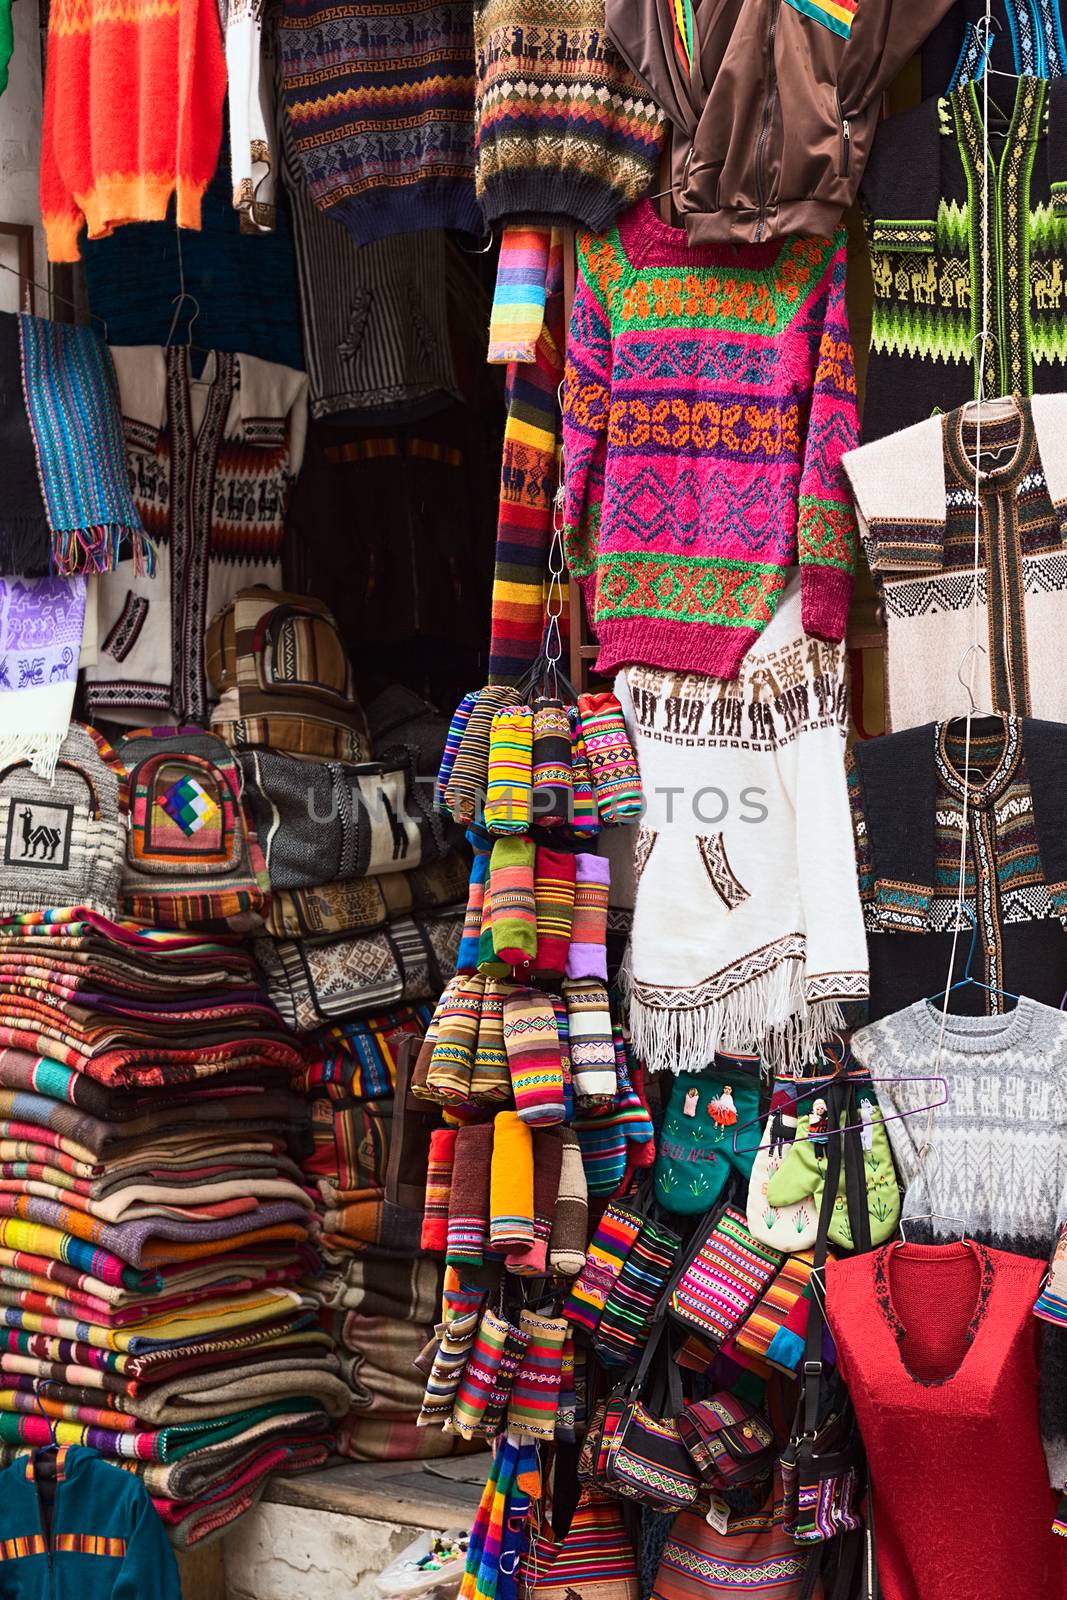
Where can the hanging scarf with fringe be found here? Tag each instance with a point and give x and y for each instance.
(71, 394)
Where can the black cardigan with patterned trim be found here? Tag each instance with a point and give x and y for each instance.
(906, 795)
(925, 243)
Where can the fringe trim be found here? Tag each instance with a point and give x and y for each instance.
(41, 750)
(99, 549)
(768, 1015)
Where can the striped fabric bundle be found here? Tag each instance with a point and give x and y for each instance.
(553, 777)
(419, 1085)
(479, 1376)
(469, 777)
(531, 1040)
(518, 313)
(514, 906)
(468, 1201)
(455, 1342)
(509, 783)
(453, 739)
(511, 1222)
(570, 1218)
(724, 1280)
(587, 956)
(532, 1261)
(467, 955)
(612, 762)
(603, 1146)
(595, 1559)
(770, 1315)
(491, 1079)
(534, 1395)
(591, 1043)
(438, 1188)
(554, 893)
(633, 1297)
(456, 1026)
(610, 1245)
(585, 817)
(511, 1359)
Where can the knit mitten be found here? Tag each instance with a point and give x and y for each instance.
(479, 1376)
(548, 1159)
(453, 739)
(531, 1041)
(468, 1204)
(554, 889)
(511, 885)
(585, 818)
(469, 778)
(553, 779)
(510, 784)
(490, 1079)
(792, 1227)
(532, 1412)
(695, 1151)
(452, 1061)
(803, 1173)
(438, 1188)
(587, 956)
(570, 1221)
(592, 1046)
(612, 762)
(511, 1224)
(467, 954)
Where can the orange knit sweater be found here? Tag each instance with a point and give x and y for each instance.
(132, 115)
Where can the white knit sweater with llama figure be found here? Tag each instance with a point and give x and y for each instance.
(747, 929)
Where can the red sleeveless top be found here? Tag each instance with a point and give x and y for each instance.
(938, 1346)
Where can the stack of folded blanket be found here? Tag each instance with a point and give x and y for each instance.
(155, 1227)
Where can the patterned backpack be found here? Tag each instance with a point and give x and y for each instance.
(280, 669)
(192, 860)
(62, 842)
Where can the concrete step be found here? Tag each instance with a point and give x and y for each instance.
(329, 1533)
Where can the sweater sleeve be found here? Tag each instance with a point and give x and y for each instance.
(149, 1561)
(813, 770)
(826, 523)
(62, 218)
(586, 409)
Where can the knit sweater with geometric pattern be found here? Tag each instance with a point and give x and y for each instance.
(708, 400)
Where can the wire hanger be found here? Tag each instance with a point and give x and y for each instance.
(53, 1444)
(53, 294)
(179, 300)
(968, 980)
(931, 1216)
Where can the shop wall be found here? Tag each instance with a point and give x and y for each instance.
(20, 148)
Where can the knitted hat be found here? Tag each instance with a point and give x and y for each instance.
(467, 954)
(468, 1204)
(553, 779)
(509, 788)
(491, 1080)
(554, 888)
(592, 1045)
(438, 1188)
(570, 1221)
(511, 1184)
(514, 908)
(585, 817)
(469, 778)
(452, 1061)
(587, 956)
(460, 718)
(487, 958)
(612, 762)
(531, 1040)
(548, 1159)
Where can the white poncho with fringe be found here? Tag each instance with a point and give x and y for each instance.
(747, 929)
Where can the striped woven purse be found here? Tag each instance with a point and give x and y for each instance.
(724, 1279)
(593, 1558)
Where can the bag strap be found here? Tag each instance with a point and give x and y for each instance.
(859, 1218)
(812, 1369)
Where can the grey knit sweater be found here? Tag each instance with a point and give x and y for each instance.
(995, 1153)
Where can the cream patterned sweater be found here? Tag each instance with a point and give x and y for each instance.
(747, 927)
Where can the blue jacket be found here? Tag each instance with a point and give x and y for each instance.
(107, 1541)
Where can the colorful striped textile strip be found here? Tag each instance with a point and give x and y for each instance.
(453, 739)
(585, 816)
(72, 403)
(725, 1278)
(616, 777)
(611, 1243)
(632, 1299)
(491, 1080)
(534, 1396)
(518, 313)
(465, 789)
(510, 779)
(479, 1377)
(769, 1316)
(456, 1342)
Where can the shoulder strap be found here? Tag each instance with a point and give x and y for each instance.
(835, 1098)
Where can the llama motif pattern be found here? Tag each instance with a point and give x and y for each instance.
(39, 834)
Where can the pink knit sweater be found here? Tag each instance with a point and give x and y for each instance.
(709, 397)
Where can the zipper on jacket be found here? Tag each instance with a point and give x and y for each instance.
(768, 107)
(846, 140)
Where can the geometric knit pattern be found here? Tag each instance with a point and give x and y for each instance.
(189, 805)
(565, 132)
(709, 397)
